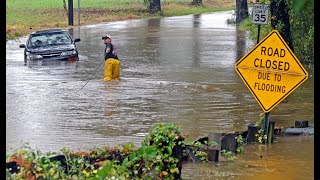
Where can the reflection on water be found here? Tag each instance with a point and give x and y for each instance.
(276, 161)
(35, 63)
(175, 69)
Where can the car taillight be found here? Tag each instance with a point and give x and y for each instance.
(72, 59)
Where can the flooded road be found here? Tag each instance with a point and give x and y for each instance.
(174, 69)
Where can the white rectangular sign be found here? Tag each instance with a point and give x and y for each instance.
(260, 13)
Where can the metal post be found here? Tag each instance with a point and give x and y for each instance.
(271, 131)
(266, 126)
(78, 12)
(70, 12)
(258, 38)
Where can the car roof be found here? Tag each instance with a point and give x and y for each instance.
(48, 31)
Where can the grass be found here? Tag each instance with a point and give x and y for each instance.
(25, 16)
(247, 25)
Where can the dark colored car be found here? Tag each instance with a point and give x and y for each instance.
(51, 44)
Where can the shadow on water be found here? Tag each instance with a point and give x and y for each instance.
(173, 69)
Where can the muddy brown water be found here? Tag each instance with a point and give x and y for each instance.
(173, 69)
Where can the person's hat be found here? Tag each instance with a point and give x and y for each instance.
(106, 37)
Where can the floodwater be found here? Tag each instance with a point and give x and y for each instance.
(173, 69)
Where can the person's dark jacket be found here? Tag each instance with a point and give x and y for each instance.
(110, 53)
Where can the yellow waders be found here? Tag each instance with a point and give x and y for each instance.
(111, 69)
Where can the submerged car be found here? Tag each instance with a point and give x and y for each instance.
(51, 44)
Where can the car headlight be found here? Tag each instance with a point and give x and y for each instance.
(33, 56)
(68, 53)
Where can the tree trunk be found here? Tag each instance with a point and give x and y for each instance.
(280, 20)
(241, 10)
(65, 7)
(154, 6)
(196, 2)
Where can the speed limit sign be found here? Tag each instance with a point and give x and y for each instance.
(260, 13)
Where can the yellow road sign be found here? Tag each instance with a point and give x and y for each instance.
(271, 71)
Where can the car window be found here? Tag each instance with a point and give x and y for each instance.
(49, 39)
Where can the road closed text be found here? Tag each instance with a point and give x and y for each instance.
(272, 64)
(269, 87)
(271, 59)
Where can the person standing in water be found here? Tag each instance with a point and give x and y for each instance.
(112, 63)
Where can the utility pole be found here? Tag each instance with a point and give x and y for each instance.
(78, 12)
(70, 12)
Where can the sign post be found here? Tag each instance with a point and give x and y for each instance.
(266, 126)
(70, 12)
(271, 72)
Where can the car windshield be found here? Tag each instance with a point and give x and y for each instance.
(49, 39)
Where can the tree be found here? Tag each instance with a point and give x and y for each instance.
(241, 10)
(280, 20)
(294, 19)
(196, 2)
(65, 7)
(154, 6)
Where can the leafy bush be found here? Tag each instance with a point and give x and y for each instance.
(302, 28)
(154, 159)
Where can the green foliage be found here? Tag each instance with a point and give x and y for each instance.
(163, 138)
(239, 148)
(128, 147)
(198, 152)
(228, 154)
(247, 25)
(302, 29)
(211, 144)
(301, 5)
(155, 159)
(260, 134)
(202, 155)
(301, 14)
(205, 144)
(200, 149)
(147, 2)
(98, 152)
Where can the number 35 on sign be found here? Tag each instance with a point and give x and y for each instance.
(260, 13)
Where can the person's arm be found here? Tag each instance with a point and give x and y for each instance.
(107, 50)
(115, 50)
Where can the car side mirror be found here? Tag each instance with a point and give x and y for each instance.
(77, 40)
(22, 46)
